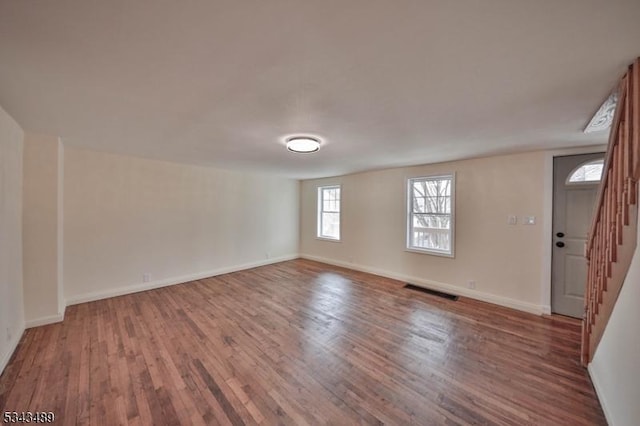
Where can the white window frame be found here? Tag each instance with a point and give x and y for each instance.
(409, 216)
(320, 210)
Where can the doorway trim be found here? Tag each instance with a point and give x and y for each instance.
(547, 219)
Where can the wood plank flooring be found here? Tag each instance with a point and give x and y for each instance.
(299, 343)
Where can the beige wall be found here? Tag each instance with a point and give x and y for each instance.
(41, 234)
(615, 370)
(11, 298)
(126, 216)
(505, 261)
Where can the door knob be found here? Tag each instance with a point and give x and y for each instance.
(560, 244)
(560, 234)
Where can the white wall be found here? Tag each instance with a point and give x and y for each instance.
(126, 216)
(504, 260)
(41, 230)
(615, 368)
(11, 298)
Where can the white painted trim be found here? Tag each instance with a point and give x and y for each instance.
(320, 209)
(51, 319)
(600, 393)
(135, 288)
(331, 240)
(13, 344)
(547, 215)
(429, 252)
(547, 231)
(434, 285)
(408, 215)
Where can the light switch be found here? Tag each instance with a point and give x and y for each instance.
(512, 220)
(529, 220)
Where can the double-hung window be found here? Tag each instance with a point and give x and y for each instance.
(431, 215)
(329, 212)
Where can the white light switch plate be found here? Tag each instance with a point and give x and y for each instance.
(512, 220)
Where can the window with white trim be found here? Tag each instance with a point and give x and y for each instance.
(329, 212)
(431, 214)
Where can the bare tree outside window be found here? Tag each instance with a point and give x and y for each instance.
(430, 214)
(590, 172)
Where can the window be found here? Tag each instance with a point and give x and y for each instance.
(329, 212)
(430, 219)
(590, 172)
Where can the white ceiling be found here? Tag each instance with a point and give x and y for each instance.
(385, 83)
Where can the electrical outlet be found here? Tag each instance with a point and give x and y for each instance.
(529, 220)
(512, 220)
(146, 277)
(471, 284)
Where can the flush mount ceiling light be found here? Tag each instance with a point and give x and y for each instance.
(303, 144)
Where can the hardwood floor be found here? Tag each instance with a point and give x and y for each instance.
(300, 343)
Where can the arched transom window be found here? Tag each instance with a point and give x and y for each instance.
(589, 172)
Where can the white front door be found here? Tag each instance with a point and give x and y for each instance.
(576, 181)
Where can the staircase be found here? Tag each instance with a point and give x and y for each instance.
(612, 238)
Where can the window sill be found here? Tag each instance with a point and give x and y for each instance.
(430, 252)
(331, 240)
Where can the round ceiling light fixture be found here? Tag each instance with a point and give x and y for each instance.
(303, 144)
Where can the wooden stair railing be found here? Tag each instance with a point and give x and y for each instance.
(612, 238)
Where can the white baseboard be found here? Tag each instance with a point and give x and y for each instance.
(13, 344)
(434, 285)
(119, 291)
(600, 393)
(136, 288)
(52, 319)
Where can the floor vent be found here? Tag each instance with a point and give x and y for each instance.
(431, 292)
